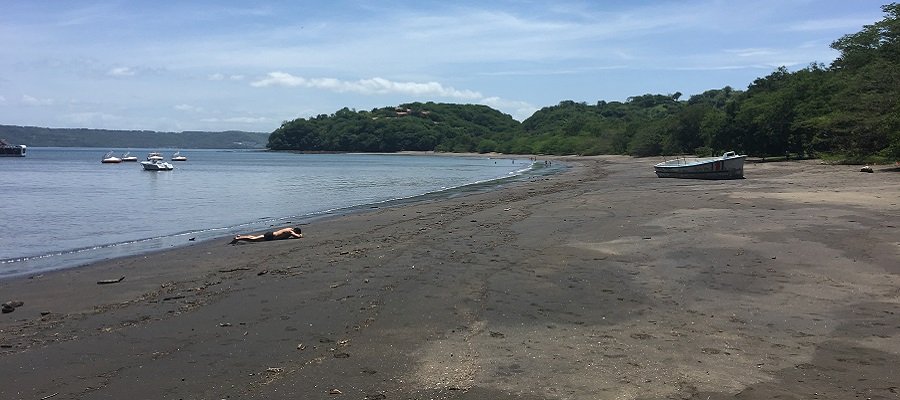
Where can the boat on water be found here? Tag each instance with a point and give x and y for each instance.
(157, 165)
(12, 150)
(129, 158)
(154, 156)
(109, 158)
(178, 157)
(729, 166)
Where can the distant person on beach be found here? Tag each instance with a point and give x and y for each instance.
(286, 233)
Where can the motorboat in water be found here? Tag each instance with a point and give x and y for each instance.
(157, 165)
(729, 166)
(12, 150)
(178, 157)
(154, 156)
(109, 158)
(129, 158)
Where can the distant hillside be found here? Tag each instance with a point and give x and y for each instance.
(65, 137)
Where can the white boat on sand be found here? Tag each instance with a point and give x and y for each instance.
(729, 166)
(157, 165)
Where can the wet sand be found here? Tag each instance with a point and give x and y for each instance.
(604, 282)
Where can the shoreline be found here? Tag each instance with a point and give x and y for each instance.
(79, 257)
(602, 281)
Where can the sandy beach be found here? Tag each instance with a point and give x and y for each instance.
(603, 282)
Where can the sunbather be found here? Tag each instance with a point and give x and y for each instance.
(286, 233)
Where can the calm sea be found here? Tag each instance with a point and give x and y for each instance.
(60, 207)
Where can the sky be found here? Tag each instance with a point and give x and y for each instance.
(217, 65)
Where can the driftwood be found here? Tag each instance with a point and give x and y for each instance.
(108, 281)
(235, 269)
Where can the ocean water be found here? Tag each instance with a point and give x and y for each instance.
(60, 207)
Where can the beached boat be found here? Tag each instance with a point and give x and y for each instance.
(11, 150)
(154, 156)
(728, 166)
(157, 165)
(178, 157)
(109, 158)
(129, 158)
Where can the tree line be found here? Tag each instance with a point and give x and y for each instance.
(847, 109)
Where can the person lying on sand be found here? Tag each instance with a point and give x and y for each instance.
(286, 233)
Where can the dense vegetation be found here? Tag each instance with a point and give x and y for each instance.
(59, 137)
(848, 109)
(414, 126)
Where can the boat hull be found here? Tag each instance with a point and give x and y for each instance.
(156, 166)
(725, 167)
(13, 150)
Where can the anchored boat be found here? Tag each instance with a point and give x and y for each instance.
(156, 165)
(729, 166)
(109, 158)
(10, 150)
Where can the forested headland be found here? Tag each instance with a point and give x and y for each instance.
(848, 110)
(107, 138)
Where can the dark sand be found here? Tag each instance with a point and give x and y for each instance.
(604, 282)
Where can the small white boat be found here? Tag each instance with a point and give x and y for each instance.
(157, 165)
(728, 166)
(154, 156)
(109, 158)
(129, 158)
(178, 157)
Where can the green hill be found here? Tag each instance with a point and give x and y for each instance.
(408, 127)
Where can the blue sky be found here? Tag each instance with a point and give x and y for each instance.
(223, 65)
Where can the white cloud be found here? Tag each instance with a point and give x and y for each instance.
(279, 79)
(751, 52)
(222, 77)
(91, 119)
(519, 110)
(366, 86)
(245, 120)
(238, 120)
(121, 71)
(188, 108)
(2, 99)
(34, 101)
(840, 24)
